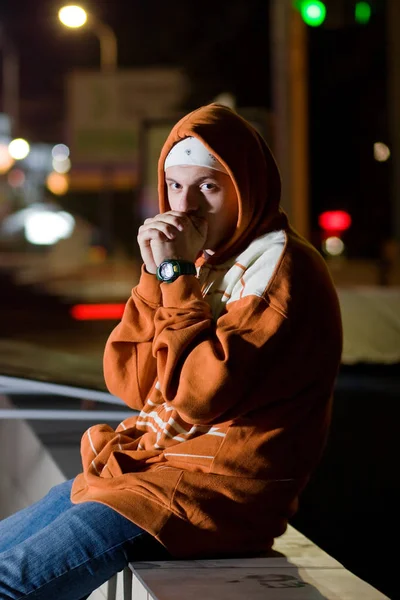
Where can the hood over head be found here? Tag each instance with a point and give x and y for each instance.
(249, 162)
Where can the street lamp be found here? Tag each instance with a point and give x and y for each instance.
(75, 16)
(72, 16)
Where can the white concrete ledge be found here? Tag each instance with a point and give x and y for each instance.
(44, 414)
(301, 571)
(17, 385)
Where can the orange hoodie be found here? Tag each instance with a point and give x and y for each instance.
(232, 372)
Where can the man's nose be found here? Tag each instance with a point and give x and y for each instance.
(188, 200)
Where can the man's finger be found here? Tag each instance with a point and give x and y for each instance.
(147, 231)
(178, 220)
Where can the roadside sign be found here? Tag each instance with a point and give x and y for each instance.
(105, 111)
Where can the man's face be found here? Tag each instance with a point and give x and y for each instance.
(207, 193)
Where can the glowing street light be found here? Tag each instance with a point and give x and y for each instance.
(72, 16)
(19, 149)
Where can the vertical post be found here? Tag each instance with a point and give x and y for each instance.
(393, 92)
(108, 64)
(279, 35)
(299, 114)
(290, 109)
(10, 84)
(112, 588)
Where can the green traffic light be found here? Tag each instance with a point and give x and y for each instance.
(362, 13)
(313, 12)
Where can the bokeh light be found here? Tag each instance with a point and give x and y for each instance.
(46, 228)
(60, 152)
(334, 220)
(381, 152)
(19, 149)
(6, 160)
(61, 166)
(16, 178)
(313, 12)
(57, 183)
(362, 12)
(72, 16)
(333, 246)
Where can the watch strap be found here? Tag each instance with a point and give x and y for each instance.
(187, 267)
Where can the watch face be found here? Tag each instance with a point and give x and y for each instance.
(167, 271)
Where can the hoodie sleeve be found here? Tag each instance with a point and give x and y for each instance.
(206, 368)
(130, 369)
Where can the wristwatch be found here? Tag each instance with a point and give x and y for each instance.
(169, 270)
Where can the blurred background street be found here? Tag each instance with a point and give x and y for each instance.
(88, 95)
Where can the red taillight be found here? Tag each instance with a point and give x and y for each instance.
(334, 220)
(97, 312)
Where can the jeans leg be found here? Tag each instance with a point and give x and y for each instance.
(26, 522)
(71, 556)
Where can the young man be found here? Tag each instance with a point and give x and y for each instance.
(229, 348)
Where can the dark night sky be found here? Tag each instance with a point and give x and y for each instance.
(222, 47)
(225, 47)
(348, 113)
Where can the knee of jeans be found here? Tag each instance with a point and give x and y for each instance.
(61, 490)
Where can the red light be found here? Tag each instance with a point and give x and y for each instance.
(97, 312)
(16, 178)
(334, 220)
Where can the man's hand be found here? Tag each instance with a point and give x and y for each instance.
(174, 235)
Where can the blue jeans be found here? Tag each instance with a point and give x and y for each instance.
(58, 550)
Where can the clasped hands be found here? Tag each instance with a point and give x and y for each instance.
(171, 235)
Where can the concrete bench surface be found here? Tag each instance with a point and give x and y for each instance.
(298, 570)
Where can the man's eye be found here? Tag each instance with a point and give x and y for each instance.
(208, 186)
(175, 186)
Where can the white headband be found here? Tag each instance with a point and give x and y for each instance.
(190, 151)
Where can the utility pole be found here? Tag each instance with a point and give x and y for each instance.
(393, 94)
(290, 109)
